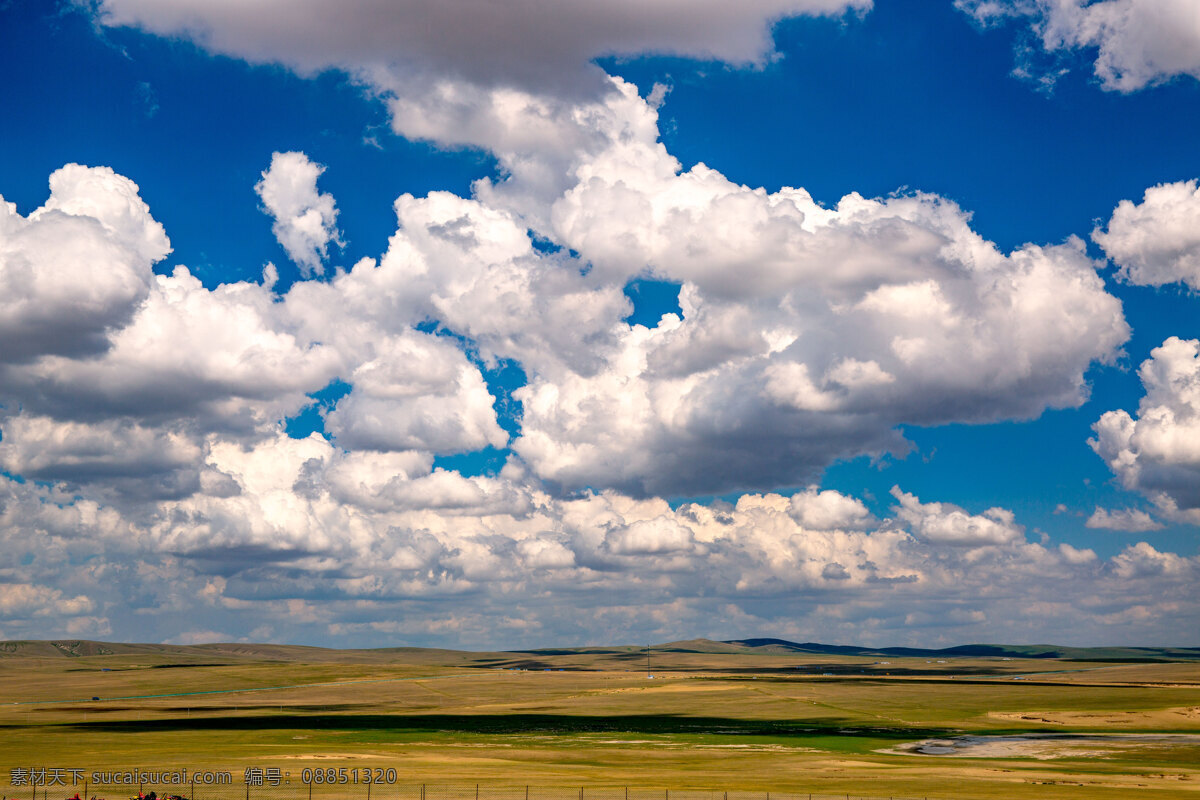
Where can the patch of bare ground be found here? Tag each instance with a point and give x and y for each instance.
(1178, 717)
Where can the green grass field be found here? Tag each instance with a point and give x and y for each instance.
(727, 719)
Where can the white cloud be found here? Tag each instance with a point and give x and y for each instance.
(807, 333)
(1137, 42)
(1141, 560)
(1133, 520)
(224, 358)
(1157, 241)
(946, 524)
(521, 42)
(843, 323)
(417, 393)
(305, 220)
(75, 268)
(289, 552)
(109, 456)
(818, 329)
(656, 536)
(200, 637)
(829, 510)
(474, 269)
(26, 600)
(1158, 452)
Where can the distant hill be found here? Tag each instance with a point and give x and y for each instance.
(1110, 654)
(208, 654)
(230, 652)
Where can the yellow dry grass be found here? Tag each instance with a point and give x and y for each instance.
(705, 721)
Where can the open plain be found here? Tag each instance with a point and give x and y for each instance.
(713, 716)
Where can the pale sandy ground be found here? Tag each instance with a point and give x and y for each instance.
(1044, 746)
(1165, 717)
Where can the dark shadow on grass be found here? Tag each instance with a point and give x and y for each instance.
(509, 724)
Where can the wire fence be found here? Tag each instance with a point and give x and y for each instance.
(365, 784)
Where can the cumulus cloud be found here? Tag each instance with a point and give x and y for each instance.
(843, 323)
(222, 357)
(475, 270)
(119, 456)
(649, 537)
(77, 267)
(23, 599)
(829, 510)
(418, 392)
(1133, 520)
(178, 367)
(807, 333)
(523, 43)
(946, 524)
(1141, 560)
(292, 551)
(1157, 241)
(1137, 42)
(305, 220)
(1157, 453)
(819, 329)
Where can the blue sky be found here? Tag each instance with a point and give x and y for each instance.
(448, 412)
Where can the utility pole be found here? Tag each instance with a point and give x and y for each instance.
(647, 661)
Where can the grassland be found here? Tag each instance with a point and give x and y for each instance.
(714, 716)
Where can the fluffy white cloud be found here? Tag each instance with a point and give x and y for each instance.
(943, 523)
(1137, 42)
(521, 42)
(418, 392)
(292, 550)
(77, 267)
(842, 324)
(108, 456)
(305, 220)
(222, 358)
(1158, 452)
(817, 329)
(1133, 520)
(829, 510)
(807, 333)
(1141, 560)
(1157, 241)
(475, 270)
(649, 537)
(23, 599)
(182, 367)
